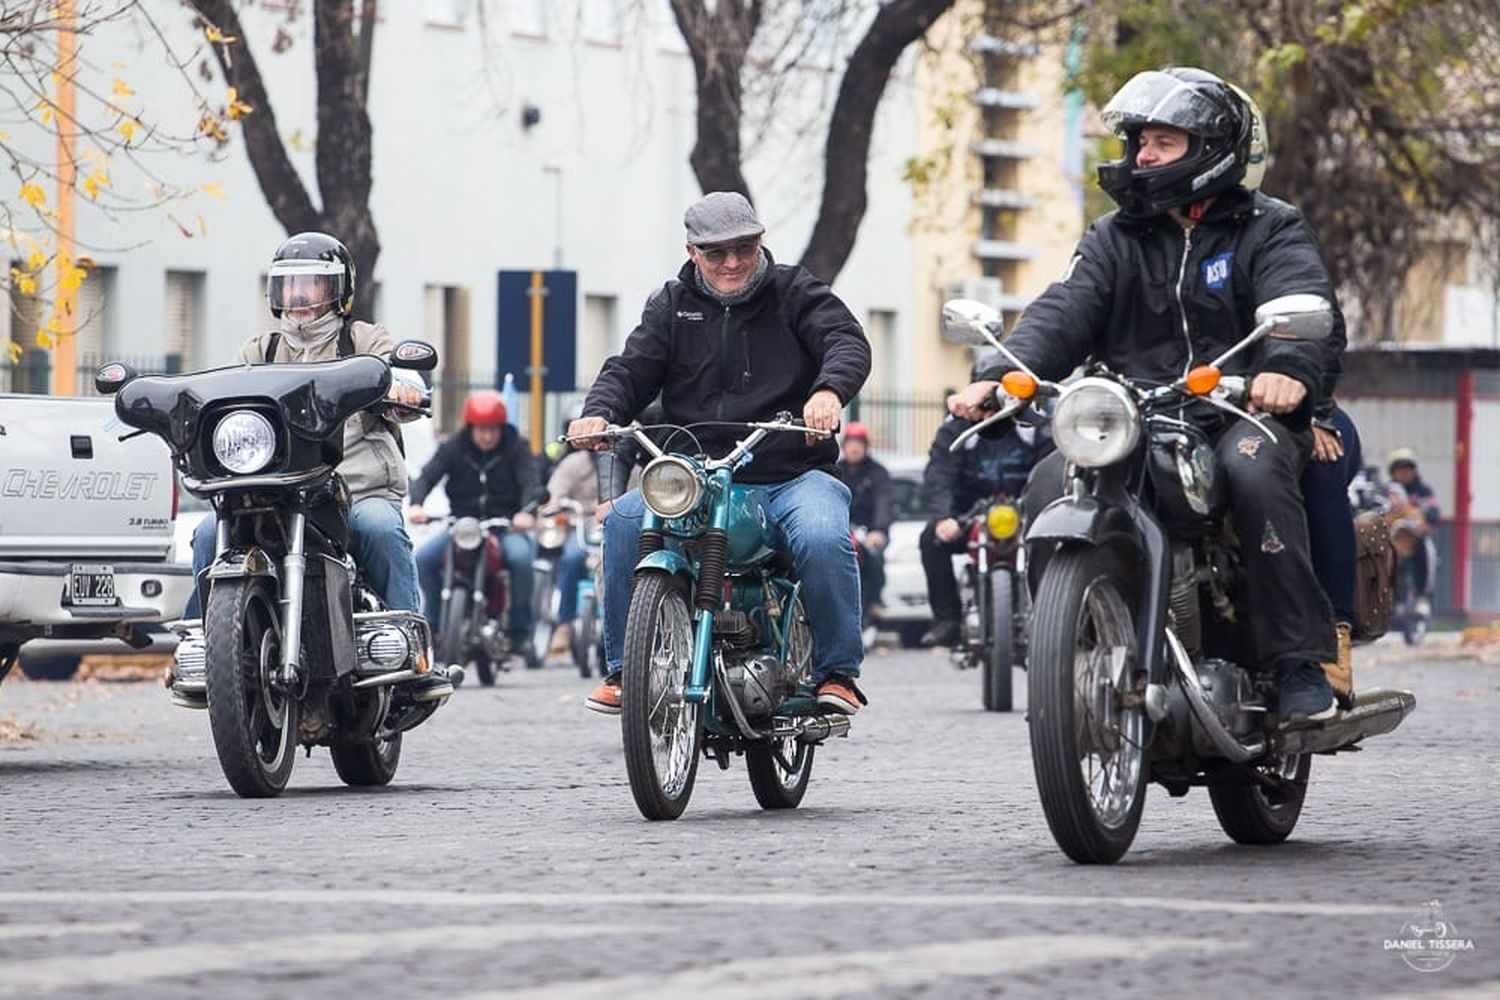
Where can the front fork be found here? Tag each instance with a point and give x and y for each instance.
(293, 573)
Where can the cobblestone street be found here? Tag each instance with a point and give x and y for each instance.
(508, 859)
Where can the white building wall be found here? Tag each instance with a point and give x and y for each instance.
(461, 191)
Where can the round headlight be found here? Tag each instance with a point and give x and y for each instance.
(1002, 521)
(670, 487)
(551, 531)
(1096, 423)
(466, 533)
(244, 442)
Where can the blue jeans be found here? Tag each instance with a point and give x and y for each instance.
(812, 520)
(516, 546)
(570, 567)
(1330, 521)
(377, 540)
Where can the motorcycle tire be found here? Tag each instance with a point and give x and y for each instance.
(776, 786)
(453, 637)
(999, 655)
(1252, 814)
(368, 764)
(662, 733)
(585, 642)
(1082, 599)
(254, 726)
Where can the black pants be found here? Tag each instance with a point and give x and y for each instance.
(871, 577)
(1290, 616)
(937, 566)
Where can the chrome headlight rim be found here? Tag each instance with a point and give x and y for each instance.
(665, 466)
(1095, 452)
(466, 534)
(255, 448)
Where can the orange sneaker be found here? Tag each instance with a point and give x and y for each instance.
(840, 694)
(606, 697)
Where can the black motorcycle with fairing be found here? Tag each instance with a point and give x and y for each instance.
(1136, 663)
(293, 647)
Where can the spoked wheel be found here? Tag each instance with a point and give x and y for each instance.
(585, 637)
(1255, 813)
(780, 771)
(999, 653)
(662, 730)
(453, 639)
(363, 764)
(254, 721)
(1088, 749)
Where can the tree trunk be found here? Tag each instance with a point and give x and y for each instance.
(847, 153)
(343, 141)
(718, 44)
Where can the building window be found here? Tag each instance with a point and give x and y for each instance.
(445, 13)
(183, 319)
(528, 18)
(93, 319)
(881, 331)
(23, 316)
(596, 337)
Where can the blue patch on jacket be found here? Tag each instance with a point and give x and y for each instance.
(1216, 270)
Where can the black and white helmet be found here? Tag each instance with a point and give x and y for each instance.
(311, 271)
(1219, 125)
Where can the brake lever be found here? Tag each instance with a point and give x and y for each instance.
(1009, 410)
(1229, 407)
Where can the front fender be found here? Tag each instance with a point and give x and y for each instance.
(1079, 519)
(668, 562)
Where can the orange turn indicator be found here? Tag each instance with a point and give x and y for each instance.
(1018, 384)
(1202, 380)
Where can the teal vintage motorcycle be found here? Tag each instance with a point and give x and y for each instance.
(718, 647)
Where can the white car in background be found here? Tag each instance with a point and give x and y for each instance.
(907, 613)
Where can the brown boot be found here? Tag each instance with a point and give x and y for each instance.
(1341, 674)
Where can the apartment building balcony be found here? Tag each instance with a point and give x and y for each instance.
(1005, 198)
(1002, 250)
(1010, 100)
(1003, 149)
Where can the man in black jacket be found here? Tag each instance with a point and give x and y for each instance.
(952, 484)
(1171, 280)
(490, 472)
(869, 508)
(738, 337)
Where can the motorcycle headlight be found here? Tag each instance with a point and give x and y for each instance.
(466, 533)
(551, 531)
(670, 486)
(244, 442)
(1002, 521)
(1096, 423)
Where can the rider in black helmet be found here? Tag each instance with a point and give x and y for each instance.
(1171, 280)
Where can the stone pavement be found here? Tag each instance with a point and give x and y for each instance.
(508, 859)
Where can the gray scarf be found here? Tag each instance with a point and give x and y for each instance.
(762, 266)
(304, 337)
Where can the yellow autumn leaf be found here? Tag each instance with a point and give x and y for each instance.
(44, 339)
(127, 128)
(121, 88)
(211, 127)
(71, 279)
(237, 108)
(15, 349)
(33, 195)
(4, 135)
(46, 114)
(95, 182)
(35, 260)
(26, 285)
(216, 36)
(213, 188)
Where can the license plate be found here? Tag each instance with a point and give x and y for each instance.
(91, 585)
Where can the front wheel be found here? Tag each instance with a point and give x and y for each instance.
(1258, 813)
(999, 651)
(662, 730)
(367, 764)
(585, 639)
(253, 719)
(1088, 748)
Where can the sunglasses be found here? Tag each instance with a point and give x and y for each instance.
(742, 250)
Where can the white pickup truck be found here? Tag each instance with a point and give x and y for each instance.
(86, 542)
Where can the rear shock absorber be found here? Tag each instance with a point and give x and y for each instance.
(713, 559)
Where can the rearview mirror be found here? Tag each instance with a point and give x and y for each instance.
(1297, 317)
(966, 321)
(111, 375)
(415, 355)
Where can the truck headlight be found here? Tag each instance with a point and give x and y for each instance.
(244, 442)
(670, 487)
(1096, 423)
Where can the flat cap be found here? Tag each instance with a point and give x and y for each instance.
(720, 216)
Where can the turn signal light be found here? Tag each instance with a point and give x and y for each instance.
(1018, 384)
(1002, 521)
(1202, 380)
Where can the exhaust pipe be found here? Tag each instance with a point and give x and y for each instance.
(1375, 712)
(1203, 713)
